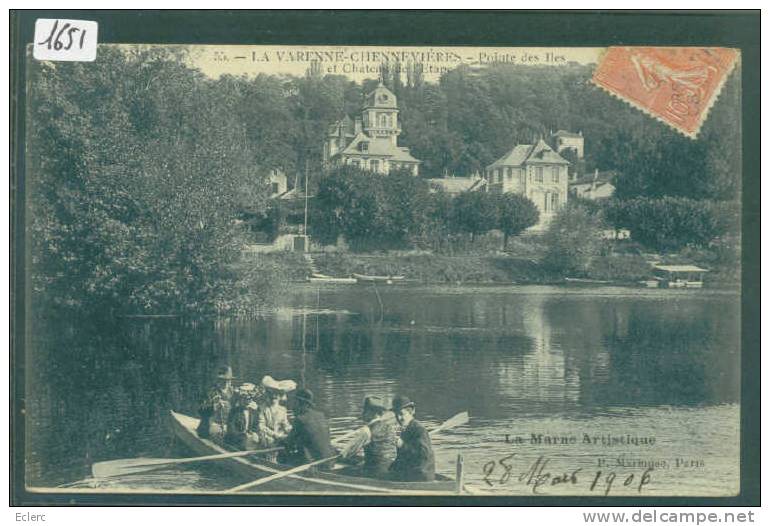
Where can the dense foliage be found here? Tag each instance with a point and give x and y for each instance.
(671, 223)
(369, 210)
(137, 167)
(515, 214)
(399, 211)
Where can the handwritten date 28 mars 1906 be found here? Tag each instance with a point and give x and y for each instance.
(539, 476)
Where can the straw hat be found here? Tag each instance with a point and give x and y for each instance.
(268, 382)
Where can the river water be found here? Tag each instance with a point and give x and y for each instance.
(571, 391)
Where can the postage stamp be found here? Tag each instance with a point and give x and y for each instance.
(676, 85)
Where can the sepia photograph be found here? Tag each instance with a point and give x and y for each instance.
(382, 270)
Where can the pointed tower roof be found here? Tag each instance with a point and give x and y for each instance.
(381, 97)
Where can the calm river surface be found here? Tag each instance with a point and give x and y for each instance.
(656, 370)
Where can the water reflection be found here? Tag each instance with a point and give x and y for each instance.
(512, 357)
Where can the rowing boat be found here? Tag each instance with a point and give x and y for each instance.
(323, 278)
(318, 482)
(366, 278)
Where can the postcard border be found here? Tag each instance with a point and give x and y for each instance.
(739, 29)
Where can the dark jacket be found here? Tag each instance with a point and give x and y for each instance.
(309, 439)
(237, 426)
(414, 461)
(214, 410)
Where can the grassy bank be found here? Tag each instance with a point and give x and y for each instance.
(435, 268)
(522, 265)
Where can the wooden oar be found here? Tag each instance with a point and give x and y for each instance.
(457, 420)
(282, 474)
(128, 466)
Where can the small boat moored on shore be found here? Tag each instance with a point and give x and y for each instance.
(679, 276)
(323, 278)
(365, 278)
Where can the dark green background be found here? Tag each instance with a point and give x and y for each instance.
(740, 29)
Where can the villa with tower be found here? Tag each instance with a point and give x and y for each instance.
(370, 141)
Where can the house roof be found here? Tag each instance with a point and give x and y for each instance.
(345, 125)
(378, 147)
(456, 185)
(565, 133)
(592, 185)
(293, 194)
(680, 268)
(607, 176)
(522, 154)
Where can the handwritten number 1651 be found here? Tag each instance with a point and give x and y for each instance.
(54, 39)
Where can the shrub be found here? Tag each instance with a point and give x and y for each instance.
(574, 239)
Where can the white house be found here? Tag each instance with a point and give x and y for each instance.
(563, 140)
(277, 181)
(535, 171)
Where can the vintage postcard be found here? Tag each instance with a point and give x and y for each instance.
(383, 271)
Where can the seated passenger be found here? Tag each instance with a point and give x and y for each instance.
(308, 439)
(238, 422)
(215, 407)
(377, 439)
(272, 420)
(415, 461)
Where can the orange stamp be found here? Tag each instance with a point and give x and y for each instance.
(677, 85)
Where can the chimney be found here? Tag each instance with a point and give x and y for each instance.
(358, 126)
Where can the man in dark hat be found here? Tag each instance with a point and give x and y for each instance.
(308, 439)
(216, 407)
(377, 439)
(415, 461)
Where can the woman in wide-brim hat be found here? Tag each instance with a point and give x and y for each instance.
(273, 419)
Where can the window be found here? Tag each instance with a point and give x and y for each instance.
(522, 177)
(356, 163)
(383, 120)
(555, 174)
(375, 165)
(554, 201)
(510, 173)
(363, 146)
(539, 174)
(274, 188)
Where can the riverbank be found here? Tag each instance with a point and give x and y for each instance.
(488, 268)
